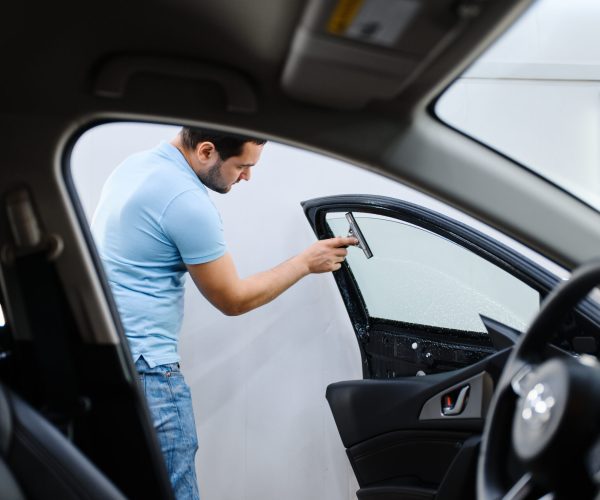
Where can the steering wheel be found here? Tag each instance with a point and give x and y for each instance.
(545, 413)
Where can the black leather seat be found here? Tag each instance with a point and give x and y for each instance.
(38, 462)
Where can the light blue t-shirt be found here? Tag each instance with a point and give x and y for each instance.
(154, 216)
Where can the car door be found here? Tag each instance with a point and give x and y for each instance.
(434, 305)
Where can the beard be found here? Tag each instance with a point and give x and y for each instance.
(213, 179)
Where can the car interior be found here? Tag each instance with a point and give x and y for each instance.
(508, 409)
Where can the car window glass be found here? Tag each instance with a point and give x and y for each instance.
(533, 95)
(418, 277)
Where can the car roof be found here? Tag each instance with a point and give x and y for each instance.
(278, 70)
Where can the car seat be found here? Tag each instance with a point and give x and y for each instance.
(39, 462)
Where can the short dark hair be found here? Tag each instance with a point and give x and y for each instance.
(227, 145)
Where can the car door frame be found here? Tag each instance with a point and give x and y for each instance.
(481, 244)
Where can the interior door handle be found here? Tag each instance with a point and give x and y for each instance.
(453, 404)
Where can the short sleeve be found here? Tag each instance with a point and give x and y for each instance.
(193, 224)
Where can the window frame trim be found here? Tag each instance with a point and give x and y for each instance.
(485, 246)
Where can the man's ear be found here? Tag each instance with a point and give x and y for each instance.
(205, 151)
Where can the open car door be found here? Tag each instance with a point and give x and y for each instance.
(435, 305)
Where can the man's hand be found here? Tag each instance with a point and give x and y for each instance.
(326, 255)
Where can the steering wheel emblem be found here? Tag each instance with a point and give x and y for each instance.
(537, 407)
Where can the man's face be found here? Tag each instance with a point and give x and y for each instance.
(223, 174)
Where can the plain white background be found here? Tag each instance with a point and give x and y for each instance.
(258, 381)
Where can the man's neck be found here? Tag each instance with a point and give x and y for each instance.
(176, 141)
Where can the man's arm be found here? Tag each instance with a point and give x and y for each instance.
(219, 282)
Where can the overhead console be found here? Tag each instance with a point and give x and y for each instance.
(346, 53)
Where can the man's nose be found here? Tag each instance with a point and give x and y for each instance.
(246, 174)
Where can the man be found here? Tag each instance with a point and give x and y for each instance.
(155, 222)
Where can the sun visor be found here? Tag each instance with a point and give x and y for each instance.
(346, 53)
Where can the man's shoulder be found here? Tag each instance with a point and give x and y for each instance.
(191, 200)
(153, 174)
(146, 160)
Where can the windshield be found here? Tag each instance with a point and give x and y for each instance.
(534, 95)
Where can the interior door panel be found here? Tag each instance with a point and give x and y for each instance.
(376, 462)
(363, 409)
(399, 452)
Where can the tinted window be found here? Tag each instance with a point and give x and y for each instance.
(418, 277)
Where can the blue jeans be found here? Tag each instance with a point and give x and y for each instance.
(170, 404)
